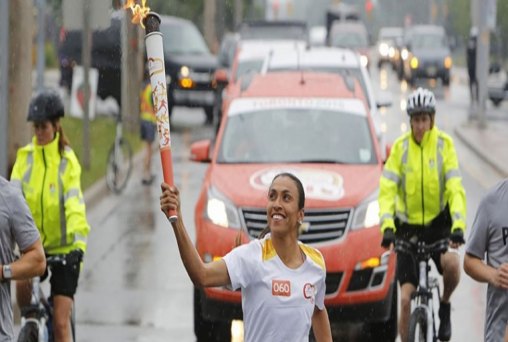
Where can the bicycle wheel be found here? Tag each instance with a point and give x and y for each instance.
(119, 166)
(29, 333)
(418, 326)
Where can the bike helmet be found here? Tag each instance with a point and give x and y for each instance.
(46, 105)
(421, 101)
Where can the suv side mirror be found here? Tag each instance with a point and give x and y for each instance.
(200, 151)
(388, 150)
(221, 76)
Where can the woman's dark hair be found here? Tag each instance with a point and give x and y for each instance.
(63, 141)
(301, 195)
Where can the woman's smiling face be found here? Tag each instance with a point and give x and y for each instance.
(282, 209)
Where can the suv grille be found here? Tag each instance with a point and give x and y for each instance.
(324, 225)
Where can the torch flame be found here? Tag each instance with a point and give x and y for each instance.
(138, 12)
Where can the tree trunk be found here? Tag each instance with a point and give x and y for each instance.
(209, 25)
(20, 75)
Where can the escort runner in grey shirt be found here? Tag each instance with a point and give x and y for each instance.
(16, 227)
(489, 240)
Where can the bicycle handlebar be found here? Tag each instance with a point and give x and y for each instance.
(421, 248)
(74, 256)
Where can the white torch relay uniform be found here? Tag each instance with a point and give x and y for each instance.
(277, 301)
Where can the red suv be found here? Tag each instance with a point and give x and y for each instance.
(318, 127)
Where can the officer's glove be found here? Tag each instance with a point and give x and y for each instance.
(388, 237)
(457, 236)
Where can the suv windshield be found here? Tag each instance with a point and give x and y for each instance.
(292, 135)
(183, 39)
(428, 40)
(273, 32)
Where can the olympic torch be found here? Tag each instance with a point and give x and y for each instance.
(155, 57)
(156, 69)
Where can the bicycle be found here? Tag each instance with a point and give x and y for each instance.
(37, 318)
(119, 163)
(422, 323)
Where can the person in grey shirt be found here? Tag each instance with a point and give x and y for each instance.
(488, 240)
(16, 227)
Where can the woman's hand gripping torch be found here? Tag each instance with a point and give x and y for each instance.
(155, 56)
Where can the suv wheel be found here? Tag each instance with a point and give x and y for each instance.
(208, 331)
(387, 331)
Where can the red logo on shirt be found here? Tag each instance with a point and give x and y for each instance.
(281, 288)
(308, 291)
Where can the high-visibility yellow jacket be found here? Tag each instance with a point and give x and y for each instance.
(52, 188)
(147, 112)
(418, 182)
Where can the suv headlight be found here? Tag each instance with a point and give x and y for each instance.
(221, 211)
(414, 63)
(448, 62)
(367, 213)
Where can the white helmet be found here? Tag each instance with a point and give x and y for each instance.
(421, 101)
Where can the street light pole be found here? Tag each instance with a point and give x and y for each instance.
(41, 58)
(4, 85)
(486, 21)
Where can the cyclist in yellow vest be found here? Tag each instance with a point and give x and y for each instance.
(421, 195)
(148, 124)
(49, 175)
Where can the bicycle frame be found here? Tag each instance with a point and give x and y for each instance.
(37, 306)
(40, 310)
(423, 298)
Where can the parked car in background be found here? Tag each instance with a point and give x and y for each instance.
(188, 61)
(389, 39)
(189, 65)
(428, 54)
(106, 57)
(320, 130)
(351, 35)
(497, 84)
(249, 58)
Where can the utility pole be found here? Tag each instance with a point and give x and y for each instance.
(86, 57)
(41, 35)
(209, 25)
(484, 17)
(238, 13)
(4, 85)
(20, 75)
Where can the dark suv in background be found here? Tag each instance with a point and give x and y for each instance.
(189, 63)
(428, 54)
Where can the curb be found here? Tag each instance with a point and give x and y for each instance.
(503, 171)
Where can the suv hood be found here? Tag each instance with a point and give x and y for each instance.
(325, 185)
(193, 61)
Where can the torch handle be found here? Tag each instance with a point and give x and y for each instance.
(167, 170)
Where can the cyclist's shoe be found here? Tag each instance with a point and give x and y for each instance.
(445, 325)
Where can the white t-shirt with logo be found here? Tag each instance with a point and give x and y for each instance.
(277, 301)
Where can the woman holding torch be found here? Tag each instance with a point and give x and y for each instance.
(282, 279)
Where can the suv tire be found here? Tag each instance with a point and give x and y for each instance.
(208, 331)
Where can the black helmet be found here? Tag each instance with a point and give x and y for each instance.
(46, 105)
(421, 101)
